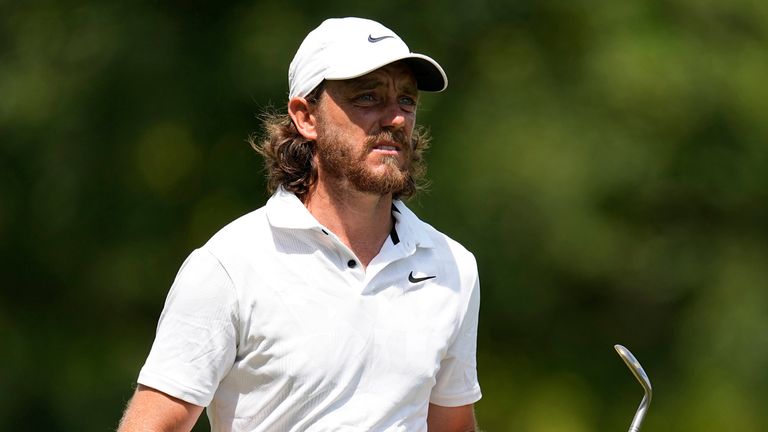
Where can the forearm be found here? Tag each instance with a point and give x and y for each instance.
(451, 419)
(153, 411)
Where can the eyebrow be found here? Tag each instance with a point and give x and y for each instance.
(364, 83)
(371, 83)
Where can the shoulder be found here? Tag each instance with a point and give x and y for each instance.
(430, 236)
(450, 248)
(448, 242)
(243, 237)
(453, 254)
(241, 232)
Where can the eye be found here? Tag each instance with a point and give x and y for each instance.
(408, 103)
(366, 98)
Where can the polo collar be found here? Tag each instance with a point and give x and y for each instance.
(409, 227)
(285, 210)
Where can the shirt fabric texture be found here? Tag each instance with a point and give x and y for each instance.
(273, 325)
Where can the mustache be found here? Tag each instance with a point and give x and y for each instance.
(397, 136)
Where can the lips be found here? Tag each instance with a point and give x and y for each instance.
(387, 146)
(389, 141)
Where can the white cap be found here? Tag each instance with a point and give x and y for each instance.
(345, 48)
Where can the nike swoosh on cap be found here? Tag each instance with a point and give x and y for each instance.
(372, 39)
(418, 279)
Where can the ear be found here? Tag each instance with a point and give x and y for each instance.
(303, 118)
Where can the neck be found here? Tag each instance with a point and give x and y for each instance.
(362, 221)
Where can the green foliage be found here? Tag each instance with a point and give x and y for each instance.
(606, 162)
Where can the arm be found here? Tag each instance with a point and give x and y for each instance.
(451, 419)
(154, 411)
(456, 382)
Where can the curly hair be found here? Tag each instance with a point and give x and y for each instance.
(289, 157)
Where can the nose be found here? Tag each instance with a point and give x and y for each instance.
(393, 116)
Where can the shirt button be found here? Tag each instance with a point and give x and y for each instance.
(351, 263)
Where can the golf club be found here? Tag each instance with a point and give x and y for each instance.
(639, 373)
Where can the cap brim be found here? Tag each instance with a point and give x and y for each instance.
(429, 75)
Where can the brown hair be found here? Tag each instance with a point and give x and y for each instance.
(289, 157)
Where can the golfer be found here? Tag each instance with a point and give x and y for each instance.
(333, 307)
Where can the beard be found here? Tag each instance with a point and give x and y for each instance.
(340, 159)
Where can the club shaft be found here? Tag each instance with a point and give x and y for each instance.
(639, 415)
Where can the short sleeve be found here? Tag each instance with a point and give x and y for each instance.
(457, 382)
(196, 339)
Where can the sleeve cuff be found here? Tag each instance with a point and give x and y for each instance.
(173, 388)
(460, 399)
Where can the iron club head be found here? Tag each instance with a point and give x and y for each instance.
(639, 373)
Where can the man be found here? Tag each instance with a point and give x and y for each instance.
(333, 307)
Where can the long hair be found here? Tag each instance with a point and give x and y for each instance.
(289, 157)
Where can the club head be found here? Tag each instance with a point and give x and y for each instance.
(637, 370)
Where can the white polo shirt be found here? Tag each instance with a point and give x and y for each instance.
(275, 326)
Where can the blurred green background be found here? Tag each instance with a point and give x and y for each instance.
(605, 160)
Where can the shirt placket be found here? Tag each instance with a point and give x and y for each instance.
(347, 261)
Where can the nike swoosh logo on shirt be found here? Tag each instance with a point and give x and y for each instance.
(419, 279)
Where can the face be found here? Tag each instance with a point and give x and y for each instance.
(364, 128)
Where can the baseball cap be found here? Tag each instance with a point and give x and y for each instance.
(346, 48)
